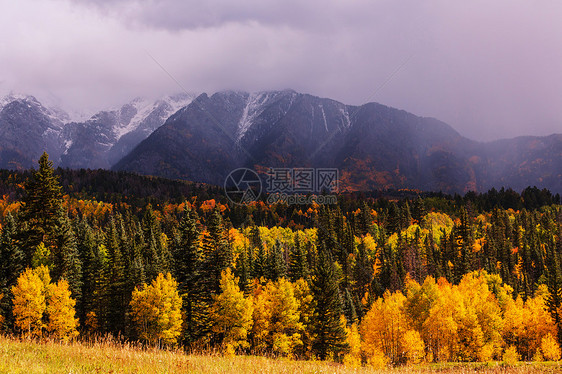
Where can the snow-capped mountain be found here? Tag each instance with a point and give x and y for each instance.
(28, 127)
(204, 138)
(109, 135)
(372, 145)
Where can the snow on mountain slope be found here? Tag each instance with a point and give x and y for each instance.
(109, 135)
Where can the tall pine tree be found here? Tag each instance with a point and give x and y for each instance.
(329, 333)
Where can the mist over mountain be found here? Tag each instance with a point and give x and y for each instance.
(373, 146)
(204, 138)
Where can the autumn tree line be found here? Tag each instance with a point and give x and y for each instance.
(367, 281)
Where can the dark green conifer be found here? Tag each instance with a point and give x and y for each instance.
(40, 209)
(330, 338)
(298, 263)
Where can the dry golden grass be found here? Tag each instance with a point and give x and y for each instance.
(29, 357)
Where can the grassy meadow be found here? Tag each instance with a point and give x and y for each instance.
(29, 357)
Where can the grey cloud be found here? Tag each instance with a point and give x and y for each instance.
(490, 69)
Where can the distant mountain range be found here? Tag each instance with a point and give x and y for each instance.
(27, 128)
(203, 138)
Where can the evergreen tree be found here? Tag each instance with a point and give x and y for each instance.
(329, 333)
(66, 259)
(87, 249)
(116, 292)
(217, 256)
(362, 273)
(276, 265)
(155, 258)
(298, 263)
(217, 253)
(554, 300)
(40, 209)
(188, 262)
(242, 270)
(11, 266)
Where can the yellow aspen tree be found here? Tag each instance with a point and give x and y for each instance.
(156, 310)
(261, 317)
(60, 311)
(514, 317)
(284, 326)
(383, 326)
(549, 348)
(29, 300)
(538, 322)
(413, 347)
(482, 323)
(144, 313)
(419, 300)
(353, 339)
(510, 356)
(169, 306)
(441, 326)
(306, 313)
(231, 313)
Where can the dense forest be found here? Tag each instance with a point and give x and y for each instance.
(387, 277)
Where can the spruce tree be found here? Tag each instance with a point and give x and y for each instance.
(155, 256)
(11, 266)
(116, 292)
(40, 209)
(242, 270)
(330, 337)
(217, 253)
(217, 256)
(276, 264)
(362, 273)
(87, 249)
(554, 300)
(298, 263)
(66, 259)
(188, 262)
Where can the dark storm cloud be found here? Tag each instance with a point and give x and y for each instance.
(490, 69)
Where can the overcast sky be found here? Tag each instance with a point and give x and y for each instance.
(491, 69)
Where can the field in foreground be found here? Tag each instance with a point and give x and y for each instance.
(32, 357)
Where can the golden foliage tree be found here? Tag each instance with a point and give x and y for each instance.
(527, 323)
(260, 317)
(39, 305)
(60, 311)
(30, 301)
(306, 313)
(231, 313)
(413, 347)
(383, 326)
(549, 348)
(278, 318)
(156, 310)
(353, 339)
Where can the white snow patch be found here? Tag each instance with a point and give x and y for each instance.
(145, 107)
(12, 97)
(254, 107)
(324, 116)
(67, 144)
(345, 115)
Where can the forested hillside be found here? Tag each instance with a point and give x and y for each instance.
(380, 278)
